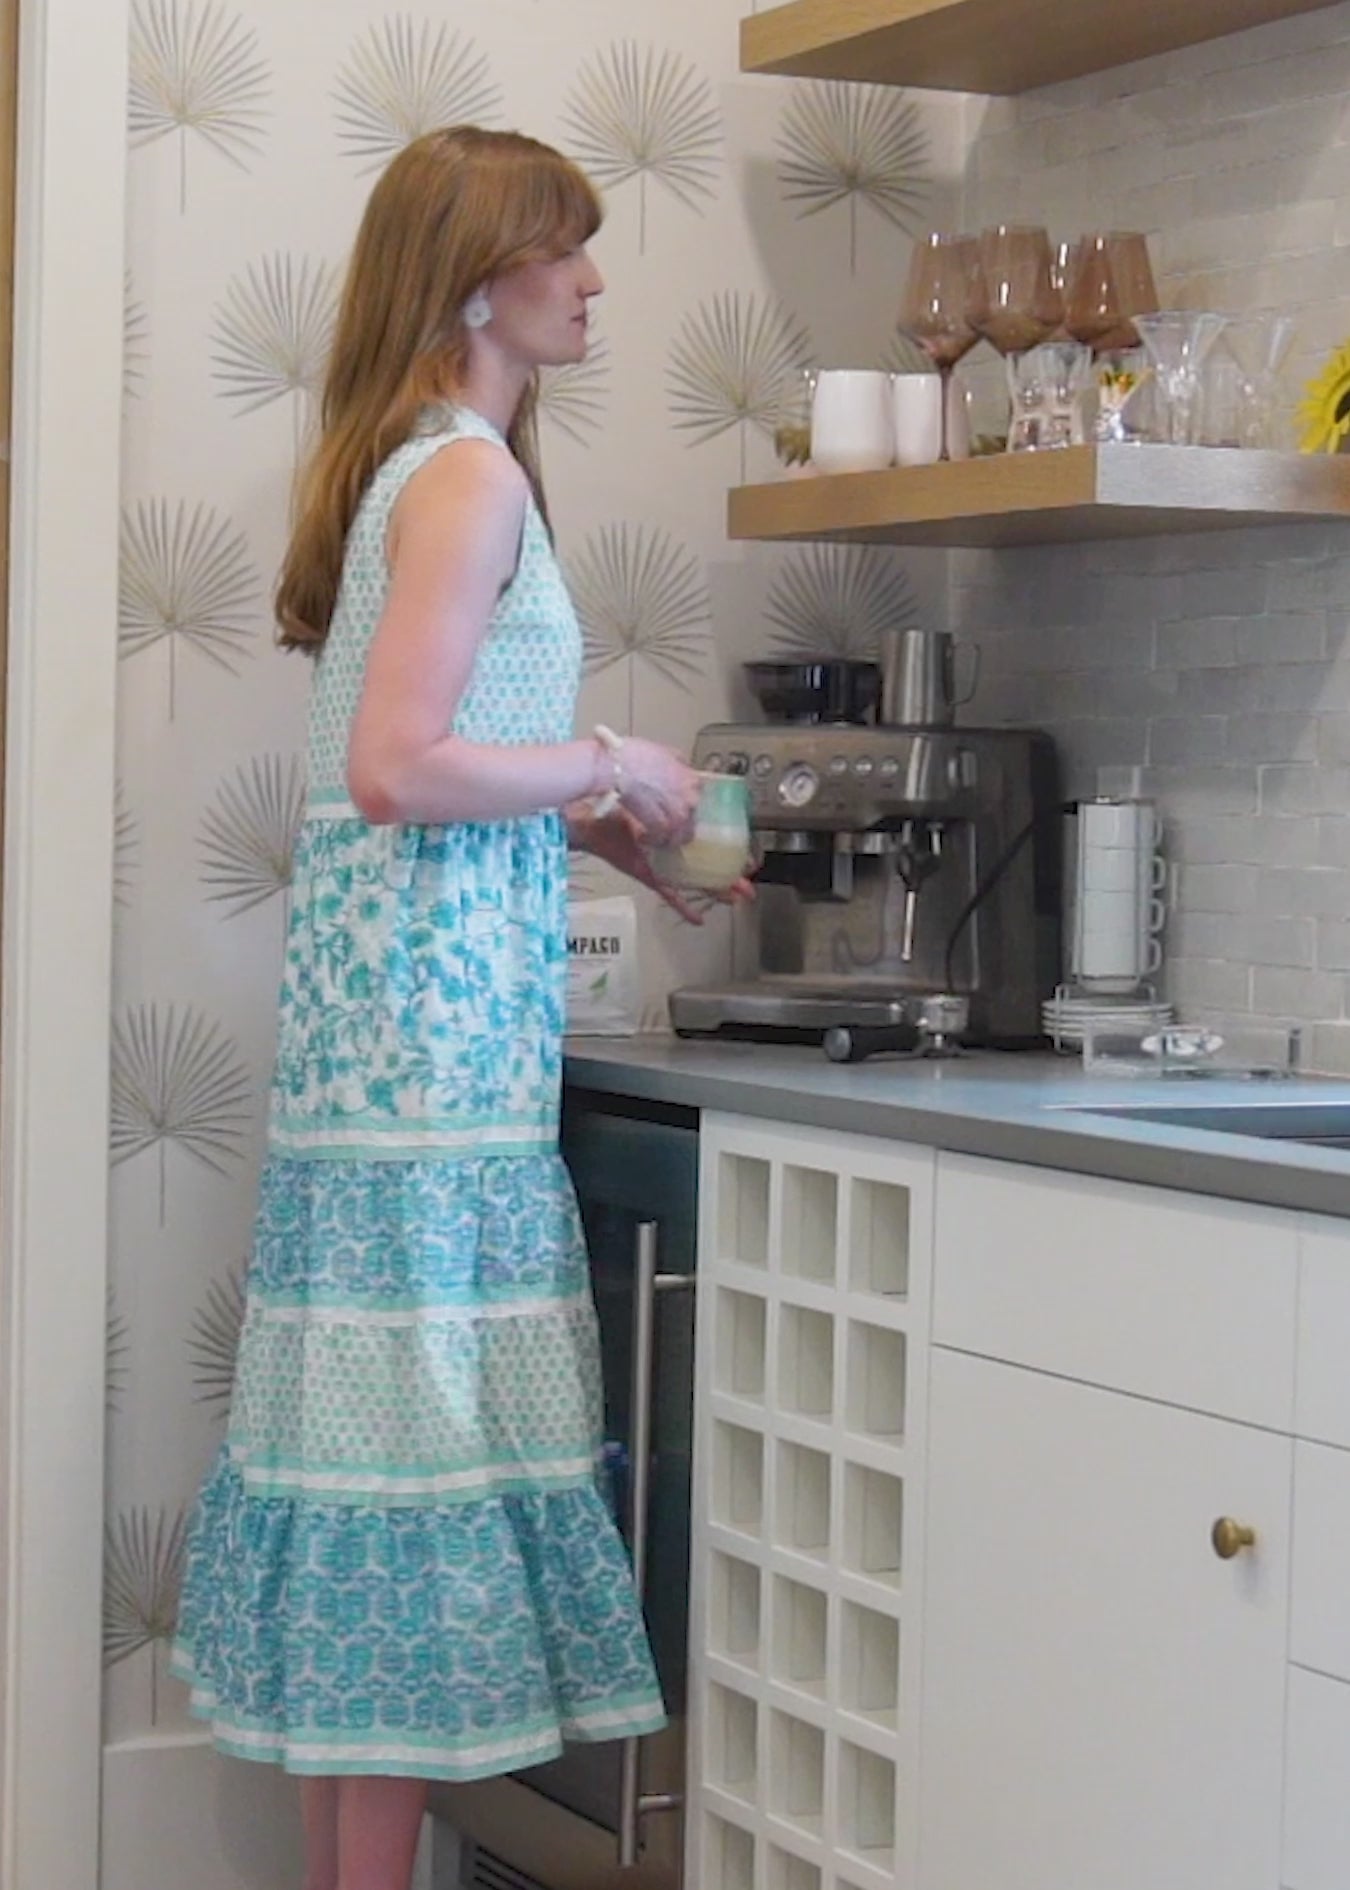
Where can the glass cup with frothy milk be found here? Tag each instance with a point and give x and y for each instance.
(717, 852)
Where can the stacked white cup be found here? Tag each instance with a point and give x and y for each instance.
(1120, 911)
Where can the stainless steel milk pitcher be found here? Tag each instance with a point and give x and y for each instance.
(919, 687)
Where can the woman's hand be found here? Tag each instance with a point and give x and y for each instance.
(617, 840)
(658, 789)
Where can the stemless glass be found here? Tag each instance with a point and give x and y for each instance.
(943, 286)
(1021, 304)
(1047, 385)
(792, 417)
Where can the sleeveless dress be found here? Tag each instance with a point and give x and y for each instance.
(402, 1561)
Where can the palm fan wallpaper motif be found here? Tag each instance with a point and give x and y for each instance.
(903, 356)
(839, 600)
(135, 340)
(214, 1339)
(639, 113)
(247, 836)
(116, 1345)
(405, 78)
(177, 1081)
(852, 144)
(186, 578)
(195, 72)
(272, 335)
(573, 398)
(642, 603)
(729, 365)
(143, 1554)
(126, 847)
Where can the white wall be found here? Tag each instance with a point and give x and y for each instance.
(54, 959)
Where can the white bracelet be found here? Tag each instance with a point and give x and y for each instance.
(613, 747)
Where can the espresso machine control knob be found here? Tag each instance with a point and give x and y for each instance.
(737, 763)
(798, 785)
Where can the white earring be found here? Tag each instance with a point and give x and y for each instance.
(477, 310)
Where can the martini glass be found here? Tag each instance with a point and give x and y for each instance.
(1260, 345)
(1177, 342)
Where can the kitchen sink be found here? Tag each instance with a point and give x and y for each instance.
(1319, 1124)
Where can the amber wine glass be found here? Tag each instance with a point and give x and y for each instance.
(1092, 304)
(944, 286)
(1136, 291)
(1022, 304)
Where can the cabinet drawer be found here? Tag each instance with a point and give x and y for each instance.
(1316, 1802)
(1171, 1296)
(1322, 1408)
(1320, 1626)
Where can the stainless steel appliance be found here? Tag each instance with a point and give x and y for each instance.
(899, 864)
(609, 1816)
(920, 687)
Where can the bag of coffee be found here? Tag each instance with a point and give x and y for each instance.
(604, 991)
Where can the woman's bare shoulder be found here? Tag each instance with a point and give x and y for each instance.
(470, 483)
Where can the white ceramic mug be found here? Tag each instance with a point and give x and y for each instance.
(916, 400)
(1119, 885)
(852, 425)
(916, 404)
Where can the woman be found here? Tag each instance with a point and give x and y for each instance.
(401, 1567)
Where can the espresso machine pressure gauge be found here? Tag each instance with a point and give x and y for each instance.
(798, 785)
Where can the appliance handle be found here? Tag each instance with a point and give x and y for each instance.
(634, 1805)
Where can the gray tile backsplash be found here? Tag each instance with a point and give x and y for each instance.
(1217, 667)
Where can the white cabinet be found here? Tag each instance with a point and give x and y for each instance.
(1103, 1695)
(810, 1392)
(964, 1430)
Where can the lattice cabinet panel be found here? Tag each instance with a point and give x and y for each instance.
(815, 1266)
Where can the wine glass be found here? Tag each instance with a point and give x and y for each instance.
(1092, 311)
(1021, 305)
(1136, 291)
(943, 287)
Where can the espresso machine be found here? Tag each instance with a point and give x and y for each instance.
(909, 876)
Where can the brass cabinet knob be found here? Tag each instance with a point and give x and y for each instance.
(1229, 1537)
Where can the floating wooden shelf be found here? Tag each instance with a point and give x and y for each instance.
(1079, 493)
(996, 46)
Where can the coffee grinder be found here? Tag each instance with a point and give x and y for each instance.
(909, 878)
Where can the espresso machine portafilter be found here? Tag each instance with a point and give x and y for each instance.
(908, 871)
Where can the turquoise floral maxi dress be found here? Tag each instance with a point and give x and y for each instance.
(402, 1561)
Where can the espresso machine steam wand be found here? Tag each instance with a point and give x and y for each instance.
(917, 858)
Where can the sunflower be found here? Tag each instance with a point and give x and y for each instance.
(1324, 413)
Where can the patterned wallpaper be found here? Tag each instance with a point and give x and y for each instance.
(752, 226)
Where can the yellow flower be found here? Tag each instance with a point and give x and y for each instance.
(1324, 412)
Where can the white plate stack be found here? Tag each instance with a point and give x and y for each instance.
(1070, 1014)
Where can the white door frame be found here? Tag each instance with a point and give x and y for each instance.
(55, 947)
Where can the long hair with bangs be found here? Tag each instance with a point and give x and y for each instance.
(454, 209)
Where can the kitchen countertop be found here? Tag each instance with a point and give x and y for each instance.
(1020, 1107)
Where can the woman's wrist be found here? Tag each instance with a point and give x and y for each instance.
(609, 774)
